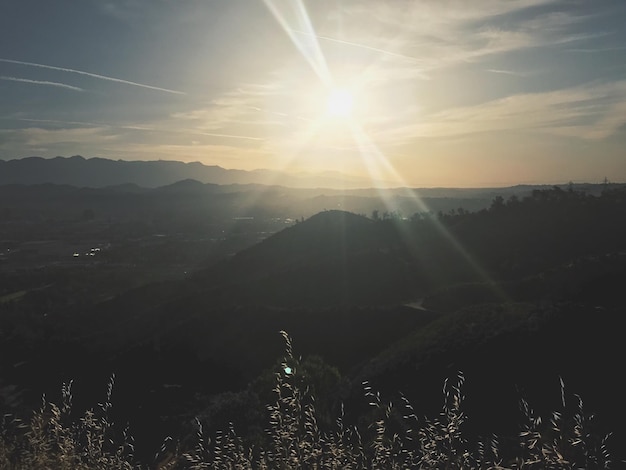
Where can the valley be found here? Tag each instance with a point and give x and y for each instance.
(183, 304)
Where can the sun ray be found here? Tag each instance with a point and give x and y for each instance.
(383, 52)
(307, 44)
(378, 166)
(297, 24)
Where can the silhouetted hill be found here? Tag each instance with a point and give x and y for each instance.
(188, 186)
(331, 269)
(332, 258)
(126, 188)
(325, 236)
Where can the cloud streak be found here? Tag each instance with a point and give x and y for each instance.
(590, 112)
(41, 82)
(170, 129)
(38, 137)
(92, 75)
(249, 106)
(430, 36)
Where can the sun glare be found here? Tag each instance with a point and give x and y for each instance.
(339, 103)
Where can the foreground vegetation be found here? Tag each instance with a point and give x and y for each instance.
(389, 436)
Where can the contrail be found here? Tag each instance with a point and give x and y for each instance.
(504, 72)
(41, 82)
(54, 121)
(361, 46)
(310, 50)
(94, 75)
(226, 136)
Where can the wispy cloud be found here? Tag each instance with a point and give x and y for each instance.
(248, 105)
(122, 11)
(595, 50)
(142, 128)
(38, 137)
(41, 82)
(591, 111)
(92, 75)
(361, 46)
(420, 38)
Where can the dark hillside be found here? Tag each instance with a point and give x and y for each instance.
(330, 234)
(331, 258)
(515, 295)
(508, 352)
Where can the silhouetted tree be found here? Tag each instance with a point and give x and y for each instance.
(497, 203)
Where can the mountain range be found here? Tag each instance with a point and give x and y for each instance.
(101, 172)
(98, 172)
(59, 186)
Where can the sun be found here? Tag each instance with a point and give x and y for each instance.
(339, 103)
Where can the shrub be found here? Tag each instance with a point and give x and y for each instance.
(54, 438)
(395, 437)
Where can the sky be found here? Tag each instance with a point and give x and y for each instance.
(417, 93)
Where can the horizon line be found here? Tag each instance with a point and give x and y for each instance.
(391, 186)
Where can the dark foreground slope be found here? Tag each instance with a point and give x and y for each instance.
(515, 295)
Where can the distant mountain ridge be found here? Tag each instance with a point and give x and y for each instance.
(101, 172)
